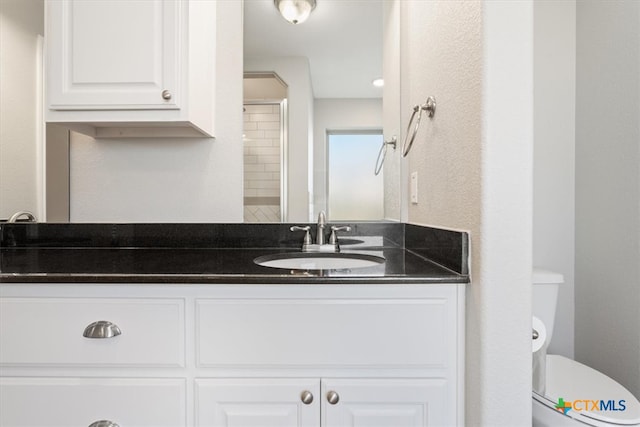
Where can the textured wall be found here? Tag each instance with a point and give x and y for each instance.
(474, 162)
(503, 297)
(608, 189)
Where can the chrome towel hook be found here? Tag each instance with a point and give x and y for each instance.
(383, 153)
(430, 107)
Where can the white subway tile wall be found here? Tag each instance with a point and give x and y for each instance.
(262, 163)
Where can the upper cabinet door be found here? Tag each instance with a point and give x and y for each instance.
(108, 54)
(133, 68)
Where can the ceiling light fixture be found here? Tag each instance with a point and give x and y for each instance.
(378, 82)
(295, 11)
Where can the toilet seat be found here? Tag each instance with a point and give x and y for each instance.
(577, 383)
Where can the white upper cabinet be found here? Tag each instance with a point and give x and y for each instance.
(131, 68)
(110, 55)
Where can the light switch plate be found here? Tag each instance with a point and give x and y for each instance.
(414, 188)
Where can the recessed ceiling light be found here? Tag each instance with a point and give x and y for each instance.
(378, 82)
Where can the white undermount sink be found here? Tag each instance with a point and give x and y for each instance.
(318, 261)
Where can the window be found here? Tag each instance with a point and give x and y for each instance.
(354, 191)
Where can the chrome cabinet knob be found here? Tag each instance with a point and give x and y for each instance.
(333, 397)
(104, 423)
(306, 397)
(166, 95)
(101, 329)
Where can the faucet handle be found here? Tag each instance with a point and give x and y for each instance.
(307, 236)
(333, 239)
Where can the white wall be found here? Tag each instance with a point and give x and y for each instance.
(294, 71)
(608, 189)
(20, 166)
(554, 156)
(475, 173)
(338, 114)
(170, 180)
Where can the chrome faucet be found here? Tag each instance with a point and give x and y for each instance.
(322, 223)
(320, 245)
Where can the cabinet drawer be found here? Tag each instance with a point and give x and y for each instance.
(80, 402)
(337, 333)
(49, 331)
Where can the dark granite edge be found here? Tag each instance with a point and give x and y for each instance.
(230, 279)
(448, 248)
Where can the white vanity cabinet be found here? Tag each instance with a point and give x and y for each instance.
(326, 402)
(131, 68)
(232, 355)
(61, 377)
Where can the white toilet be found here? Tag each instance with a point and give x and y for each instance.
(594, 398)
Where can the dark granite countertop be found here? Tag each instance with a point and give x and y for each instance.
(219, 253)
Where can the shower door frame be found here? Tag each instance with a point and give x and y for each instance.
(282, 103)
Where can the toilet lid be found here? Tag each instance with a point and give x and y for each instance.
(589, 393)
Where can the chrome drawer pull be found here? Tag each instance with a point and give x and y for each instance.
(101, 329)
(104, 423)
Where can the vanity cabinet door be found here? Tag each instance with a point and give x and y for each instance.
(345, 402)
(386, 403)
(233, 402)
(104, 54)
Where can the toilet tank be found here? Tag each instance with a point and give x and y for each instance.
(545, 296)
